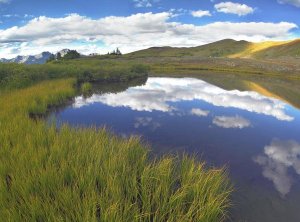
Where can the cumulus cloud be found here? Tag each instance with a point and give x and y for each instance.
(132, 33)
(199, 112)
(291, 2)
(234, 8)
(200, 13)
(158, 94)
(276, 161)
(231, 122)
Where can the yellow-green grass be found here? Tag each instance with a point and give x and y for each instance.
(76, 174)
(254, 48)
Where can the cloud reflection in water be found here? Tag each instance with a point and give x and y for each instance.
(231, 122)
(146, 122)
(278, 158)
(158, 93)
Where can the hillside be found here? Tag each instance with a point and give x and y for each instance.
(287, 49)
(227, 48)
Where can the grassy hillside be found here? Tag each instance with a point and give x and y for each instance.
(227, 48)
(277, 50)
(221, 48)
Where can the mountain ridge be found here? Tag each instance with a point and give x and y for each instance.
(228, 48)
(35, 59)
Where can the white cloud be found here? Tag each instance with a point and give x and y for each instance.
(234, 8)
(130, 33)
(26, 16)
(231, 122)
(158, 93)
(200, 13)
(144, 3)
(199, 112)
(278, 157)
(291, 2)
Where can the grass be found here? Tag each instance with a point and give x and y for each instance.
(84, 70)
(254, 48)
(86, 88)
(75, 174)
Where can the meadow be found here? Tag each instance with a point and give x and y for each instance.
(88, 174)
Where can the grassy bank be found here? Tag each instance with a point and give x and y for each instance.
(84, 70)
(90, 175)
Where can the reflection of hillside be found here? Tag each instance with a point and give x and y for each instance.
(283, 89)
(115, 87)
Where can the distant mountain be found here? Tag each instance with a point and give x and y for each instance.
(228, 48)
(30, 59)
(35, 59)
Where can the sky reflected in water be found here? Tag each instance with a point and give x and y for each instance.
(257, 137)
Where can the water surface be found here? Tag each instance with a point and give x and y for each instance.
(256, 136)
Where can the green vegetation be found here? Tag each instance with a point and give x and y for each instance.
(290, 49)
(86, 88)
(72, 54)
(75, 174)
(84, 70)
(278, 59)
(115, 52)
(222, 48)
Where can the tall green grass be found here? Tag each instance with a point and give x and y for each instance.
(86, 88)
(75, 174)
(14, 75)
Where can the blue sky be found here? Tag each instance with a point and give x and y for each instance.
(32, 26)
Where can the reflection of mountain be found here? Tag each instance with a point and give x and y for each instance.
(278, 157)
(157, 94)
(287, 90)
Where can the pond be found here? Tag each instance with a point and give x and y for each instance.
(256, 136)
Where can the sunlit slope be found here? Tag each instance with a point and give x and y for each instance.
(228, 48)
(277, 50)
(254, 49)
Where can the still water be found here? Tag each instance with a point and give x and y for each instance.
(255, 136)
